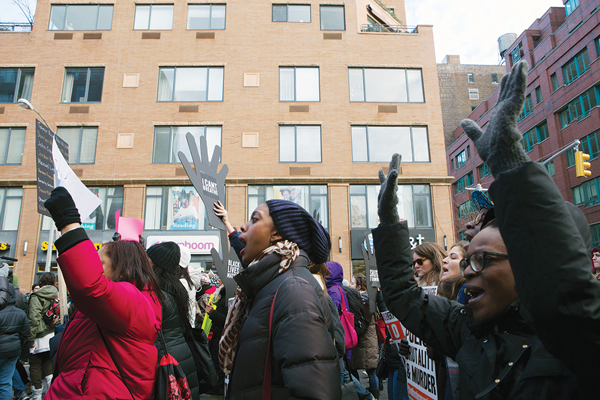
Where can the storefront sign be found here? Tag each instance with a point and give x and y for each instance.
(196, 244)
(417, 236)
(4, 246)
(45, 164)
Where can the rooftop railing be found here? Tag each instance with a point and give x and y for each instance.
(15, 26)
(388, 28)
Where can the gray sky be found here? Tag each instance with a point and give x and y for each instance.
(469, 28)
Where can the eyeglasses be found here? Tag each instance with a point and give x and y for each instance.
(419, 261)
(479, 259)
(479, 218)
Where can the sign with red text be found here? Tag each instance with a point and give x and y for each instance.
(393, 326)
(196, 244)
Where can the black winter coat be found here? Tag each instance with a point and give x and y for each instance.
(502, 359)
(304, 359)
(14, 327)
(172, 330)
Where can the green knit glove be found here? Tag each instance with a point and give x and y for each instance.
(500, 147)
(388, 193)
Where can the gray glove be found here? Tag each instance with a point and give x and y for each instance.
(500, 147)
(388, 194)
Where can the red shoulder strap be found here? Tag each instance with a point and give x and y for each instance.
(344, 308)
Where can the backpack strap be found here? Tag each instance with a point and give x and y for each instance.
(266, 394)
(114, 362)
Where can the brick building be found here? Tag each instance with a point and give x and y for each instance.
(562, 49)
(462, 88)
(308, 102)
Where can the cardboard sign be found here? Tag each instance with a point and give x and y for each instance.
(228, 266)
(45, 164)
(129, 228)
(393, 326)
(420, 369)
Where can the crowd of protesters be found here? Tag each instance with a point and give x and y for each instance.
(515, 316)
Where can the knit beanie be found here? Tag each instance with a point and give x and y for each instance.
(165, 255)
(295, 224)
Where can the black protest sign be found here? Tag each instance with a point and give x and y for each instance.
(44, 163)
(209, 184)
(227, 267)
(370, 271)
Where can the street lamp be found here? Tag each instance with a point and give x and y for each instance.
(28, 106)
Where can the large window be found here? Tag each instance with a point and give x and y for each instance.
(578, 108)
(554, 81)
(386, 85)
(81, 17)
(463, 183)
(10, 208)
(156, 17)
(81, 141)
(465, 209)
(299, 84)
(460, 159)
(206, 16)
(190, 84)
(586, 193)
(15, 83)
(12, 142)
(83, 85)
(174, 208)
(300, 143)
(527, 108)
(589, 145)
(332, 18)
(414, 206)
(312, 198)
(576, 66)
(535, 136)
(538, 95)
(170, 140)
(291, 12)
(570, 6)
(379, 143)
(483, 170)
(103, 217)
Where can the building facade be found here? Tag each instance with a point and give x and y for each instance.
(562, 50)
(308, 101)
(462, 88)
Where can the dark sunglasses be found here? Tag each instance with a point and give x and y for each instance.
(419, 261)
(479, 259)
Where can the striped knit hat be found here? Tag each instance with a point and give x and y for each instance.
(295, 224)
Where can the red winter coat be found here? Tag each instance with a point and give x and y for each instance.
(128, 318)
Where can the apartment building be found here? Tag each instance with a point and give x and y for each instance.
(562, 48)
(308, 100)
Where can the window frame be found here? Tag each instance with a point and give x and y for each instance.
(570, 111)
(494, 78)
(5, 197)
(554, 82)
(342, 6)
(472, 93)
(470, 77)
(461, 159)
(208, 68)
(81, 128)
(170, 151)
(16, 94)
(112, 6)
(87, 85)
(151, 5)
(287, 12)
(210, 18)
(573, 63)
(164, 209)
(483, 170)
(462, 183)
(570, 6)
(295, 68)
(538, 95)
(515, 54)
(4, 157)
(527, 108)
(296, 145)
(367, 139)
(364, 86)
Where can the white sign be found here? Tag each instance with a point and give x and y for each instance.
(196, 244)
(393, 326)
(420, 369)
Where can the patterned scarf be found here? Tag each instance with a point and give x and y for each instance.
(233, 324)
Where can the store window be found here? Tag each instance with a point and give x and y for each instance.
(206, 16)
(156, 17)
(414, 206)
(81, 141)
(312, 198)
(300, 143)
(386, 85)
(174, 208)
(10, 208)
(332, 18)
(170, 140)
(81, 17)
(379, 143)
(103, 217)
(291, 12)
(83, 85)
(12, 142)
(15, 83)
(299, 84)
(190, 84)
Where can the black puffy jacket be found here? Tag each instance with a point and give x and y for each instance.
(304, 358)
(172, 331)
(14, 327)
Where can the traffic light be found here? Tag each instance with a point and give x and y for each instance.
(581, 164)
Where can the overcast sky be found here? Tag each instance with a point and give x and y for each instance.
(469, 28)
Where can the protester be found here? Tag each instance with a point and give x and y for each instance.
(279, 240)
(334, 284)
(483, 204)
(40, 365)
(183, 273)
(396, 364)
(217, 315)
(165, 258)
(427, 262)
(14, 331)
(452, 281)
(596, 262)
(107, 351)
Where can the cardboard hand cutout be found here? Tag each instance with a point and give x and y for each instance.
(370, 271)
(229, 266)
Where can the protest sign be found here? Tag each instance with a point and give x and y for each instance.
(44, 163)
(129, 228)
(371, 272)
(393, 326)
(228, 266)
(420, 369)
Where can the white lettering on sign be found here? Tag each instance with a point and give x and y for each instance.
(233, 268)
(393, 326)
(414, 242)
(374, 275)
(210, 186)
(196, 244)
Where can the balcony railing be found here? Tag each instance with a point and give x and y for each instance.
(15, 26)
(388, 28)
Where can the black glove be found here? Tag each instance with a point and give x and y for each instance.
(388, 197)
(62, 208)
(404, 348)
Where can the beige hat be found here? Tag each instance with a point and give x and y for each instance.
(186, 256)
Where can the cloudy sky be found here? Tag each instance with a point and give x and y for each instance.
(469, 28)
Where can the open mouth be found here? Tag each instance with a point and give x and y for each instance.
(475, 293)
(444, 270)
